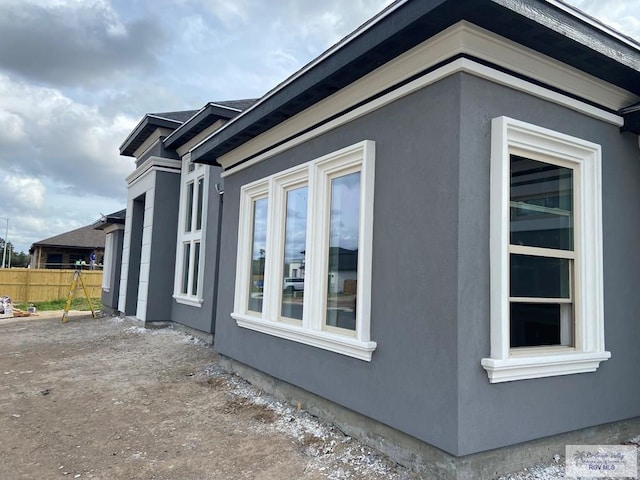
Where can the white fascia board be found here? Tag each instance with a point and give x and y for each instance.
(461, 38)
(154, 163)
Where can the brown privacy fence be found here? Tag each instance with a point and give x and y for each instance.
(36, 285)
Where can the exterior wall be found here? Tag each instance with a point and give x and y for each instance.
(202, 318)
(495, 415)
(411, 381)
(150, 232)
(162, 247)
(110, 297)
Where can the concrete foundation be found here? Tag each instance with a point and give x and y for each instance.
(426, 459)
(204, 336)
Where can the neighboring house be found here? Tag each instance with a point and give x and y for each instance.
(112, 226)
(172, 220)
(476, 164)
(62, 251)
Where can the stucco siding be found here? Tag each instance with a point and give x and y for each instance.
(410, 382)
(495, 415)
(162, 247)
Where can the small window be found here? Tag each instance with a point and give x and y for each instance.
(546, 254)
(199, 203)
(342, 267)
(258, 254)
(295, 241)
(189, 218)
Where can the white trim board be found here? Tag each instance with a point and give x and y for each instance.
(155, 163)
(460, 65)
(462, 38)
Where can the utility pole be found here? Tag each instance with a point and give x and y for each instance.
(6, 234)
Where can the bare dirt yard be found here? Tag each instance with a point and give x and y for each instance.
(104, 399)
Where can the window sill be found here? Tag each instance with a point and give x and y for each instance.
(539, 366)
(348, 346)
(192, 302)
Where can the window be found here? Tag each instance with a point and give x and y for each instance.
(190, 237)
(546, 254)
(304, 253)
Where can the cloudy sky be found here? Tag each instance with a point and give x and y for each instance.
(77, 75)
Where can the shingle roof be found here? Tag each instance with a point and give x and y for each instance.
(239, 104)
(181, 116)
(83, 237)
(206, 116)
(173, 120)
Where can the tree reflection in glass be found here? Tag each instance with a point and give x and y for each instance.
(295, 239)
(258, 254)
(342, 269)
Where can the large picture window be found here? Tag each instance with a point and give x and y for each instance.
(304, 253)
(189, 256)
(546, 254)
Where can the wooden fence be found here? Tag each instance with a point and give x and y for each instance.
(35, 285)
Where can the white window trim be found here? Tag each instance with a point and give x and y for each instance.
(509, 136)
(311, 330)
(193, 236)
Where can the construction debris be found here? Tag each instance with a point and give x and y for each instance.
(7, 310)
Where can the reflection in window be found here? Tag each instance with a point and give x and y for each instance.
(185, 271)
(189, 216)
(541, 253)
(295, 239)
(199, 204)
(343, 251)
(196, 266)
(541, 204)
(258, 254)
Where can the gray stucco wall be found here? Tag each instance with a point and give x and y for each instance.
(202, 318)
(163, 246)
(430, 285)
(110, 299)
(494, 415)
(411, 382)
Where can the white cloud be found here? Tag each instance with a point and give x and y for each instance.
(621, 15)
(11, 128)
(64, 140)
(229, 12)
(26, 193)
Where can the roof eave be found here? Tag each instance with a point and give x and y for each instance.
(613, 58)
(138, 135)
(208, 114)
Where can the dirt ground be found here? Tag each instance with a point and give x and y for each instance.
(104, 399)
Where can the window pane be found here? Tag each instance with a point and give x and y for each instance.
(343, 251)
(541, 204)
(185, 268)
(196, 267)
(539, 324)
(258, 254)
(542, 277)
(189, 215)
(199, 205)
(295, 239)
